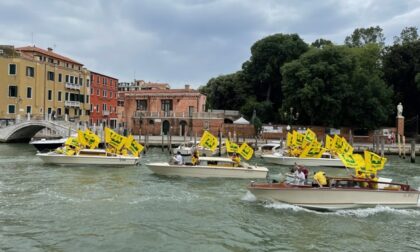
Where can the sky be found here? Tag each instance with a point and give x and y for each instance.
(186, 41)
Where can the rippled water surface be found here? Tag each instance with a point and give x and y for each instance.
(55, 208)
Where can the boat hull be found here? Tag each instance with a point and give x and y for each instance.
(281, 160)
(336, 198)
(51, 158)
(207, 172)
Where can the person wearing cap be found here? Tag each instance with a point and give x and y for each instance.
(319, 179)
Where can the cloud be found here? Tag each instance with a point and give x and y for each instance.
(186, 41)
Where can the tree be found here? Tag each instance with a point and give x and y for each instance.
(226, 91)
(363, 36)
(337, 86)
(321, 43)
(407, 35)
(262, 70)
(401, 64)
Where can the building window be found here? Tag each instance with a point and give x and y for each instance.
(60, 77)
(97, 108)
(81, 81)
(12, 69)
(87, 98)
(104, 93)
(87, 82)
(166, 105)
(50, 75)
(76, 80)
(28, 109)
(28, 92)
(49, 111)
(190, 110)
(59, 111)
(13, 90)
(110, 94)
(59, 96)
(104, 107)
(110, 108)
(142, 105)
(120, 103)
(71, 79)
(91, 107)
(30, 71)
(11, 109)
(91, 91)
(97, 92)
(49, 95)
(67, 97)
(67, 78)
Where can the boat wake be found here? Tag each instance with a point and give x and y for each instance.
(249, 197)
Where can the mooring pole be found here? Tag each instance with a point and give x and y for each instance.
(413, 151)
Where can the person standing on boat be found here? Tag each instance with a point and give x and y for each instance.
(299, 176)
(195, 158)
(236, 159)
(373, 184)
(319, 179)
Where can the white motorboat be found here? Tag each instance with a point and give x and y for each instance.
(186, 149)
(89, 157)
(210, 167)
(325, 160)
(48, 144)
(269, 148)
(343, 193)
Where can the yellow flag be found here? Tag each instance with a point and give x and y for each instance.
(374, 162)
(298, 138)
(91, 139)
(346, 147)
(289, 139)
(310, 136)
(360, 160)
(114, 139)
(314, 150)
(246, 151)
(208, 141)
(132, 145)
(231, 146)
(71, 141)
(337, 143)
(81, 138)
(328, 142)
(349, 160)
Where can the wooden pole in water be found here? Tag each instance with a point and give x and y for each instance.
(413, 151)
(382, 146)
(162, 142)
(403, 146)
(399, 144)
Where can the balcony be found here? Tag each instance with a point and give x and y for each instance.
(105, 112)
(73, 86)
(172, 114)
(75, 104)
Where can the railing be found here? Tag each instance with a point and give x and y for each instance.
(105, 112)
(172, 114)
(73, 86)
(72, 104)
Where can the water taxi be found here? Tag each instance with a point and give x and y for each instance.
(282, 159)
(210, 167)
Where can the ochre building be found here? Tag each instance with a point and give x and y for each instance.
(41, 83)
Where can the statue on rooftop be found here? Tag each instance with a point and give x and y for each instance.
(399, 109)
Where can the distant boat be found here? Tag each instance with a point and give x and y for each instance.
(269, 148)
(48, 144)
(220, 167)
(187, 148)
(325, 160)
(88, 157)
(343, 193)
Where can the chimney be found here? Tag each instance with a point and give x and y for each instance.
(187, 86)
(49, 49)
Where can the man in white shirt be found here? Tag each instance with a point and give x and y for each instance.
(178, 158)
(299, 176)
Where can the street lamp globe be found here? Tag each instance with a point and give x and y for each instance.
(288, 127)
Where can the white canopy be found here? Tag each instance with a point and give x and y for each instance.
(241, 121)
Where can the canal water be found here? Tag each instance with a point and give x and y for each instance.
(55, 208)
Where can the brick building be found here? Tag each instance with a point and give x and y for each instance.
(103, 100)
(158, 110)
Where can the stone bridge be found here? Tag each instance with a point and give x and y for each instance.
(23, 131)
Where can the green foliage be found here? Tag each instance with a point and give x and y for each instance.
(321, 43)
(262, 70)
(401, 67)
(226, 91)
(337, 86)
(408, 35)
(363, 36)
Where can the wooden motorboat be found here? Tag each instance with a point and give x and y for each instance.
(342, 193)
